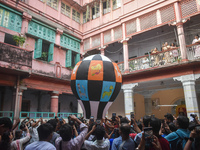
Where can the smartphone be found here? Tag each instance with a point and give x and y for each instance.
(148, 133)
(92, 118)
(98, 122)
(113, 116)
(132, 115)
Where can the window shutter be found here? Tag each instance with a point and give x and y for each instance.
(50, 53)
(38, 48)
(77, 58)
(68, 62)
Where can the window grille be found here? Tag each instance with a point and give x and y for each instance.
(117, 32)
(116, 4)
(86, 44)
(188, 7)
(76, 16)
(107, 36)
(167, 14)
(95, 11)
(53, 3)
(131, 27)
(96, 41)
(148, 21)
(65, 9)
(106, 6)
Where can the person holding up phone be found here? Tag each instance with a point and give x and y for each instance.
(65, 142)
(123, 141)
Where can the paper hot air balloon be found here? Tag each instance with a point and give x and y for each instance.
(96, 82)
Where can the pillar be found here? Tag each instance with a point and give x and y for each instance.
(25, 19)
(188, 82)
(18, 99)
(180, 31)
(54, 102)
(102, 48)
(58, 33)
(128, 98)
(125, 48)
(147, 102)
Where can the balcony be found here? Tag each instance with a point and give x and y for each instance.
(15, 58)
(160, 59)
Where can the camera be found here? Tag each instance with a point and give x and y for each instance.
(71, 122)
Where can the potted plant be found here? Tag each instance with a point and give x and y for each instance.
(19, 40)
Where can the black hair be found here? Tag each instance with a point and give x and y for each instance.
(146, 120)
(169, 117)
(22, 126)
(125, 129)
(66, 132)
(139, 124)
(18, 134)
(99, 132)
(155, 123)
(53, 122)
(172, 126)
(183, 122)
(123, 120)
(44, 131)
(7, 122)
(5, 141)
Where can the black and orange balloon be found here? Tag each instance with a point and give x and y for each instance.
(96, 82)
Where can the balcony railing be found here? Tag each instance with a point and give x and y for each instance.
(37, 115)
(15, 55)
(8, 114)
(157, 59)
(66, 115)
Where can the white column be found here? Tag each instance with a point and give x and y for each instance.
(147, 102)
(128, 98)
(188, 82)
(79, 109)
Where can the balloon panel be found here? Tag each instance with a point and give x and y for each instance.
(96, 80)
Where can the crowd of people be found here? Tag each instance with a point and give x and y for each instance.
(116, 133)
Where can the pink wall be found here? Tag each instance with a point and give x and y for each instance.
(106, 18)
(2, 35)
(116, 13)
(59, 56)
(52, 12)
(37, 4)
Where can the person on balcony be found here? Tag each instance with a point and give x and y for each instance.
(155, 57)
(145, 63)
(196, 47)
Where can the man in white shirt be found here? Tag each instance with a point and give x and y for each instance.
(45, 134)
(99, 143)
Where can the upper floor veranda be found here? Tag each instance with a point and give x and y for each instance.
(141, 26)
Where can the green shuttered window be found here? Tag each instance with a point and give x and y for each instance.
(68, 58)
(38, 49)
(50, 54)
(43, 50)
